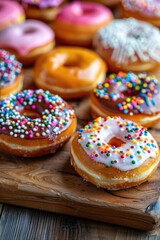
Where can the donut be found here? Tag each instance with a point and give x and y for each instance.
(11, 13)
(27, 41)
(131, 96)
(114, 153)
(129, 45)
(77, 22)
(146, 10)
(70, 72)
(11, 76)
(45, 10)
(34, 123)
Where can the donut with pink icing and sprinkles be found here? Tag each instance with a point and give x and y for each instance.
(114, 153)
(145, 10)
(35, 123)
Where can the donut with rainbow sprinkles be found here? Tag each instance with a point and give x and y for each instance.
(114, 153)
(35, 123)
(132, 96)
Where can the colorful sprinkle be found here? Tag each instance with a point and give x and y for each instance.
(9, 68)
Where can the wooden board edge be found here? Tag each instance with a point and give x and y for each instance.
(123, 216)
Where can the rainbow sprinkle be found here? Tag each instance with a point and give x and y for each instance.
(9, 68)
(54, 115)
(132, 94)
(137, 143)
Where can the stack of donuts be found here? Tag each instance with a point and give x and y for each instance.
(107, 51)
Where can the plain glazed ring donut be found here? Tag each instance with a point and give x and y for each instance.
(42, 9)
(11, 13)
(71, 72)
(35, 123)
(114, 153)
(27, 41)
(145, 10)
(11, 76)
(135, 97)
(129, 45)
(77, 22)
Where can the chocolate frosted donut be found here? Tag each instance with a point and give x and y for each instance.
(136, 97)
(35, 123)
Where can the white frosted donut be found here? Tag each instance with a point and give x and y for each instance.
(114, 153)
(129, 45)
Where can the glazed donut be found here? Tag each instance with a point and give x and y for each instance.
(146, 10)
(11, 76)
(135, 97)
(11, 13)
(27, 41)
(35, 123)
(42, 9)
(129, 45)
(71, 72)
(77, 22)
(114, 153)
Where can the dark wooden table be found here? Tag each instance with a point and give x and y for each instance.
(17, 223)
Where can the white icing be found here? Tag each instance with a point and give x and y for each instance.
(130, 40)
(105, 129)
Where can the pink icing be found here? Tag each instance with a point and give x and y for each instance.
(43, 3)
(9, 10)
(27, 36)
(84, 13)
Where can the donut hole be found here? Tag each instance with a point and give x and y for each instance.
(136, 35)
(29, 30)
(30, 113)
(129, 93)
(88, 11)
(1, 6)
(116, 142)
(72, 63)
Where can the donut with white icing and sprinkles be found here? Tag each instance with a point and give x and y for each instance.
(131, 96)
(146, 10)
(114, 153)
(11, 76)
(35, 123)
(129, 45)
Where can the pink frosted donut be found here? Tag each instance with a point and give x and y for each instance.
(10, 13)
(77, 22)
(28, 40)
(146, 10)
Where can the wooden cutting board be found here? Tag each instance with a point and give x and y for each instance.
(50, 183)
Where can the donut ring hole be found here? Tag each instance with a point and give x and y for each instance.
(71, 63)
(30, 113)
(78, 11)
(135, 35)
(30, 30)
(129, 93)
(88, 11)
(116, 142)
(1, 6)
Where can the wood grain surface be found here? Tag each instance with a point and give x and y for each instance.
(17, 223)
(50, 183)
